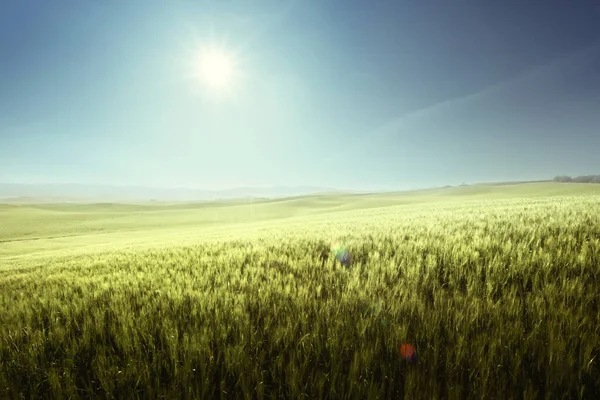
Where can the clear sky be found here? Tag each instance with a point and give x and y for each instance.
(346, 94)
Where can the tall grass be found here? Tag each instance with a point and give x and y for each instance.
(499, 298)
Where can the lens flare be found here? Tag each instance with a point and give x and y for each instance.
(343, 255)
(407, 351)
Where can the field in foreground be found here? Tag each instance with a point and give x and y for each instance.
(496, 287)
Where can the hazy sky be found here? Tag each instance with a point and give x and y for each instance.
(347, 94)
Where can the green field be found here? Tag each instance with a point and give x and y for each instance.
(496, 286)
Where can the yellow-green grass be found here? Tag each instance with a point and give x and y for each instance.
(33, 222)
(496, 287)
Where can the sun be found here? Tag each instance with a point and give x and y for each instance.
(216, 68)
(213, 67)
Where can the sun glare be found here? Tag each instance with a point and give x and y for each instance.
(216, 68)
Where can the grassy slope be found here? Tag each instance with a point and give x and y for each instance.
(37, 231)
(35, 221)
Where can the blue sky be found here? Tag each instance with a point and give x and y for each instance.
(345, 94)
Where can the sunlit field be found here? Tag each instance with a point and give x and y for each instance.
(496, 287)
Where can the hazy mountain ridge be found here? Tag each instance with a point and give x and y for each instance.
(38, 193)
(108, 193)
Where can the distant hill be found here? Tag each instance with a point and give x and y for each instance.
(14, 192)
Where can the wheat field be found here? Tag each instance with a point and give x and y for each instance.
(496, 287)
